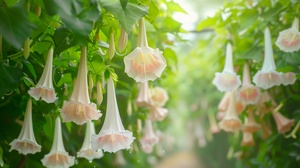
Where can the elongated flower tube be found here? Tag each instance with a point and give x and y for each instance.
(144, 63)
(112, 48)
(143, 98)
(86, 150)
(288, 78)
(157, 113)
(112, 136)
(227, 80)
(123, 40)
(58, 157)
(44, 88)
(99, 93)
(224, 103)
(266, 132)
(289, 39)
(248, 93)
(231, 121)
(214, 128)
(119, 159)
(247, 139)
(267, 77)
(26, 143)
(79, 108)
(283, 124)
(250, 124)
(159, 96)
(149, 138)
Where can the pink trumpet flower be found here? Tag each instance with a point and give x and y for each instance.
(112, 136)
(250, 124)
(149, 138)
(58, 157)
(214, 128)
(289, 39)
(248, 139)
(227, 80)
(248, 93)
(26, 143)
(79, 108)
(86, 150)
(157, 113)
(144, 63)
(159, 96)
(231, 121)
(288, 78)
(224, 103)
(267, 77)
(44, 88)
(283, 124)
(143, 98)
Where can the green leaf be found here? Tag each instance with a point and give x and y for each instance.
(152, 12)
(10, 78)
(207, 23)
(30, 67)
(29, 82)
(170, 55)
(15, 26)
(127, 16)
(63, 38)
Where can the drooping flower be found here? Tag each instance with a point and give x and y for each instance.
(288, 78)
(112, 136)
(26, 143)
(214, 128)
(119, 159)
(144, 63)
(157, 113)
(289, 39)
(227, 80)
(58, 157)
(99, 93)
(283, 124)
(248, 93)
(111, 48)
(231, 121)
(267, 77)
(86, 150)
(44, 88)
(149, 138)
(247, 139)
(159, 96)
(224, 103)
(250, 124)
(143, 98)
(122, 40)
(79, 108)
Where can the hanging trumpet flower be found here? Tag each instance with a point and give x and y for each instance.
(159, 96)
(26, 143)
(144, 63)
(79, 108)
(149, 138)
(86, 150)
(289, 39)
(58, 157)
(44, 88)
(227, 80)
(112, 136)
(248, 93)
(123, 40)
(267, 77)
(143, 98)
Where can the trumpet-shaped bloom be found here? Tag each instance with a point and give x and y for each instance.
(112, 136)
(26, 143)
(231, 121)
(227, 80)
(247, 139)
(289, 39)
(143, 98)
(283, 124)
(267, 77)
(248, 93)
(79, 108)
(288, 78)
(157, 113)
(86, 150)
(214, 128)
(149, 138)
(144, 63)
(266, 132)
(44, 88)
(58, 157)
(159, 96)
(224, 103)
(250, 124)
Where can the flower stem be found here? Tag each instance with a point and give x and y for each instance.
(293, 133)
